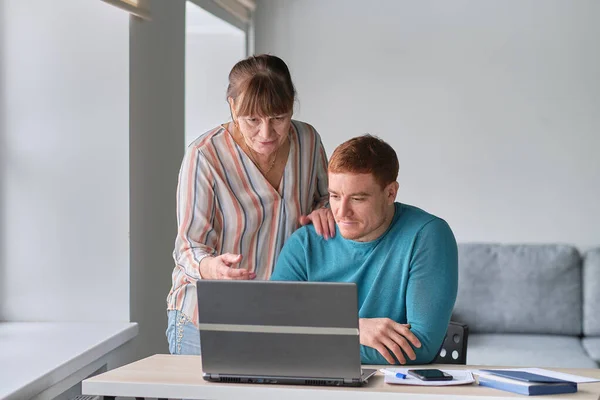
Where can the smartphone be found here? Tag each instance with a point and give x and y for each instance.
(430, 374)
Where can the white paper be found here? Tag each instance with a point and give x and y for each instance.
(460, 377)
(544, 372)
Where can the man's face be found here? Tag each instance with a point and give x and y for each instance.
(360, 206)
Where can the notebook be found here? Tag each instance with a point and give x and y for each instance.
(525, 382)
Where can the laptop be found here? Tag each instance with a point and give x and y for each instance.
(303, 333)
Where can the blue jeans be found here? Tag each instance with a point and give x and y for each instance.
(183, 336)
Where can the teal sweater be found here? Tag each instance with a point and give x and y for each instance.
(409, 274)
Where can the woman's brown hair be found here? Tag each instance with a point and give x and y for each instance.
(262, 86)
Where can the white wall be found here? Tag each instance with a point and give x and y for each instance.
(492, 106)
(212, 47)
(65, 217)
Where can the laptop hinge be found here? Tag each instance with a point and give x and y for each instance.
(348, 380)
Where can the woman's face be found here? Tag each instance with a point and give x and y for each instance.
(264, 134)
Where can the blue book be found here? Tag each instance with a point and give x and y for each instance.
(525, 382)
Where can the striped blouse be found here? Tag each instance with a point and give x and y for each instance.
(226, 205)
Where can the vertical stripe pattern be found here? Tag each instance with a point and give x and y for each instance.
(225, 205)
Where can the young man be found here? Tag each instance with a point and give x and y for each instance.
(403, 260)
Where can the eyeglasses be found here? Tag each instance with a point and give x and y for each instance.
(256, 122)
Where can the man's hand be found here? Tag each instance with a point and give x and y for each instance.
(385, 335)
(220, 268)
(322, 219)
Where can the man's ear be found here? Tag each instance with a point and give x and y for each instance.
(391, 191)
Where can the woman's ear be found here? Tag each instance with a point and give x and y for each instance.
(232, 108)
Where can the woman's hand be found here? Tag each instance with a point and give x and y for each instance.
(322, 219)
(220, 267)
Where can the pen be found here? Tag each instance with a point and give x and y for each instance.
(399, 375)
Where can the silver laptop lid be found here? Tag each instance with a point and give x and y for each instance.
(293, 329)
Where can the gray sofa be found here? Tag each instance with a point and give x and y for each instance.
(530, 305)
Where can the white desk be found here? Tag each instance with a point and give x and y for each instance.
(42, 360)
(167, 376)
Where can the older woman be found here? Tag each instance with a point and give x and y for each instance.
(244, 188)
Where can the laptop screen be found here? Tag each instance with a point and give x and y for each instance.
(284, 329)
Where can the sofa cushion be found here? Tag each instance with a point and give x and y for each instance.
(591, 294)
(592, 346)
(519, 289)
(527, 351)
